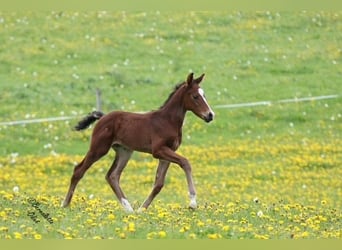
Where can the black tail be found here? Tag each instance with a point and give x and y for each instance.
(89, 119)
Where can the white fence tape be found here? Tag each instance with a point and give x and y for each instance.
(237, 105)
(50, 119)
(264, 103)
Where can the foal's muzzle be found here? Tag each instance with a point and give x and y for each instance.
(209, 117)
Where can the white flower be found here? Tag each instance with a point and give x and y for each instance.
(16, 189)
(256, 200)
(260, 213)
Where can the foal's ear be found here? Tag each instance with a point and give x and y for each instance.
(199, 79)
(190, 79)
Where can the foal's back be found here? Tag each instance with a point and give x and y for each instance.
(129, 130)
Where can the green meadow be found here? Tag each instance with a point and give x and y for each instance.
(268, 171)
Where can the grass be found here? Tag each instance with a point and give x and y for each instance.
(261, 172)
(265, 191)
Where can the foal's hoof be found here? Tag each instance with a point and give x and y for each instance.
(127, 206)
(141, 210)
(192, 208)
(64, 204)
(193, 205)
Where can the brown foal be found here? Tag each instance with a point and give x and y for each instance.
(157, 132)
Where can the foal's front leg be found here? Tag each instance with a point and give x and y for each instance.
(165, 153)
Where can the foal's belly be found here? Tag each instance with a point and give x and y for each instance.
(132, 131)
(146, 148)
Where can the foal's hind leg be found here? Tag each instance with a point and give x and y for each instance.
(158, 183)
(113, 176)
(79, 171)
(99, 147)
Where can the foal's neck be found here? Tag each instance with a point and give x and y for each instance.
(174, 109)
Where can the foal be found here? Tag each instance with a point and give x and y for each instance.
(158, 133)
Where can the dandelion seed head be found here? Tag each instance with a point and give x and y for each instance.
(260, 214)
(16, 189)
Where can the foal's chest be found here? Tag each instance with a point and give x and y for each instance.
(175, 142)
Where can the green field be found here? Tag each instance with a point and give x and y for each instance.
(265, 171)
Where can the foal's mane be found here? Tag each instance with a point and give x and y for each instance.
(172, 93)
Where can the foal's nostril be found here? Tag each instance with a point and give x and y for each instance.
(209, 117)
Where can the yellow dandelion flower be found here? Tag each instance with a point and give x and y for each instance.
(3, 214)
(111, 216)
(8, 196)
(122, 236)
(37, 236)
(162, 215)
(200, 224)
(131, 227)
(97, 237)
(261, 237)
(214, 236)
(17, 235)
(184, 229)
(305, 234)
(192, 236)
(151, 235)
(162, 234)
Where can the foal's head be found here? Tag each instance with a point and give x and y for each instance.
(194, 99)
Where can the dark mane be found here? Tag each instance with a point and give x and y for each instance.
(172, 93)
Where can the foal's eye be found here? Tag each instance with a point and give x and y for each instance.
(195, 97)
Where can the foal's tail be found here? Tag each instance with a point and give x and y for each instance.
(89, 119)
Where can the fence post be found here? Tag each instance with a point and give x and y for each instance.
(98, 100)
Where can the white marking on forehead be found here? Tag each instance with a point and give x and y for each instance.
(201, 92)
